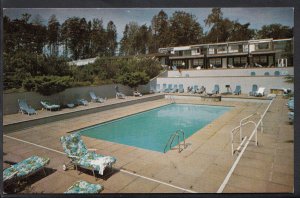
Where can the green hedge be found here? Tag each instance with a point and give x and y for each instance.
(48, 85)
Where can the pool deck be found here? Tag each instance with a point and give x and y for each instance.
(201, 167)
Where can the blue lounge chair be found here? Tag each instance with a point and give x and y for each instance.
(81, 102)
(79, 155)
(49, 106)
(267, 74)
(25, 108)
(252, 73)
(25, 168)
(157, 90)
(167, 89)
(291, 116)
(216, 89)
(164, 88)
(84, 187)
(120, 95)
(291, 105)
(174, 89)
(202, 90)
(195, 89)
(254, 90)
(237, 90)
(95, 98)
(180, 88)
(276, 73)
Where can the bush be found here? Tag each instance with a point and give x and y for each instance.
(134, 79)
(48, 85)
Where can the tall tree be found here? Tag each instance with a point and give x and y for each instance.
(111, 38)
(129, 43)
(218, 25)
(160, 30)
(240, 32)
(184, 29)
(53, 36)
(124, 41)
(98, 40)
(75, 36)
(275, 31)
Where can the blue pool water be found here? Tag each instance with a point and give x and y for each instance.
(152, 129)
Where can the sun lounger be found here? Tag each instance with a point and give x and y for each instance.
(216, 89)
(79, 155)
(174, 89)
(291, 116)
(260, 92)
(84, 187)
(180, 88)
(237, 90)
(81, 102)
(254, 90)
(25, 108)
(49, 106)
(95, 98)
(202, 90)
(195, 89)
(120, 95)
(137, 94)
(24, 169)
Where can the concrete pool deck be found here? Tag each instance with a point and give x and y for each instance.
(201, 167)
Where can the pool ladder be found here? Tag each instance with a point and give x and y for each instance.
(172, 137)
(172, 99)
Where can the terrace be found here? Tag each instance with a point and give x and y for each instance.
(200, 168)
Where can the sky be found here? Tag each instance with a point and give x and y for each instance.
(257, 17)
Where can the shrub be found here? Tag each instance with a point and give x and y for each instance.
(48, 85)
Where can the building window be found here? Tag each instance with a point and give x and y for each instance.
(236, 60)
(262, 46)
(198, 62)
(215, 62)
(177, 63)
(263, 59)
(256, 59)
(221, 49)
(243, 60)
(271, 60)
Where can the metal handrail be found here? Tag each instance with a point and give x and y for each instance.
(172, 137)
(235, 130)
(246, 118)
(172, 99)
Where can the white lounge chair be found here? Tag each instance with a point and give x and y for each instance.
(260, 92)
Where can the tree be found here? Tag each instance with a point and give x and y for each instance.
(160, 30)
(129, 43)
(134, 79)
(219, 27)
(240, 32)
(75, 35)
(275, 31)
(111, 38)
(98, 39)
(184, 29)
(53, 36)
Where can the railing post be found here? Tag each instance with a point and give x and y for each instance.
(241, 132)
(231, 143)
(256, 135)
(261, 125)
(178, 138)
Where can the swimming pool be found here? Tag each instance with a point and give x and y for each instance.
(152, 129)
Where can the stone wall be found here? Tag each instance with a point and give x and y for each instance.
(10, 100)
(245, 82)
(231, 72)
